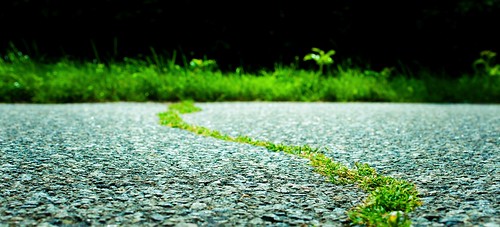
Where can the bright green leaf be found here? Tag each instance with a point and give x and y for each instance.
(316, 50)
(330, 53)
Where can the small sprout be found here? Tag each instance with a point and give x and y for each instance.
(320, 57)
(197, 64)
(487, 60)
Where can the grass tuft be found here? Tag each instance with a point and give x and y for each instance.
(389, 201)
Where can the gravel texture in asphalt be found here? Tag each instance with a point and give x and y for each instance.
(114, 164)
(451, 151)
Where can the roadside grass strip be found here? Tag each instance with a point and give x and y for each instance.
(389, 200)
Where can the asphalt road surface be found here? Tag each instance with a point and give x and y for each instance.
(113, 164)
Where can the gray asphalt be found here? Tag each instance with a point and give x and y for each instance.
(451, 151)
(112, 163)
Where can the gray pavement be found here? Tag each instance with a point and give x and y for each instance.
(112, 163)
(451, 151)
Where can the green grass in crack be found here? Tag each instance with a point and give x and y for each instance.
(389, 200)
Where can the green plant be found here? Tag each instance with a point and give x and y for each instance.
(320, 57)
(200, 64)
(486, 60)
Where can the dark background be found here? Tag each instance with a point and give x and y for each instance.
(435, 34)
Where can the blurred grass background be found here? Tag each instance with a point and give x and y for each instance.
(160, 78)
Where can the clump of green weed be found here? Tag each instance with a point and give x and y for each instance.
(387, 204)
(18, 79)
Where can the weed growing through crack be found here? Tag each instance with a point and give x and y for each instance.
(389, 200)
